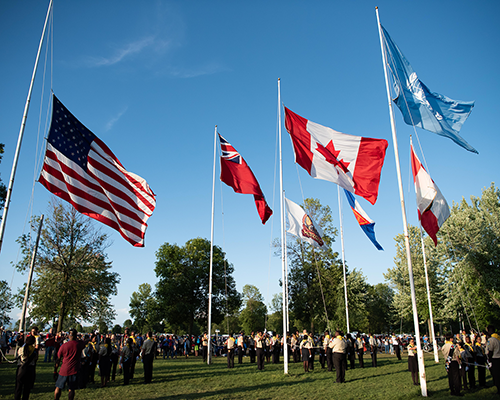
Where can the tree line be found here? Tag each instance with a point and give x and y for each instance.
(73, 280)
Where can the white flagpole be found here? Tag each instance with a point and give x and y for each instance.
(209, 348)
(434, 342)
(343, 260)
(21, 132)
(283, 249)
(421, 366)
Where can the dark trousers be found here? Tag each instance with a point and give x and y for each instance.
(260, 358)
(251, 350)
(92, 365)
(481, 371)
(339, 365)
(360, 358)
(374, 356)
(495, 372)
(322, 357)
(296, 355)
(241, 351)
(471, 373)
(25, 380)
(114, 363)
(352, 358)
(454, 377)
(398, 351)
(230, 358)
(276, 354)
(205, 353)
(147, 360)
(83, 375)
(311, 361)
(126, 371)
(329, 358)
(132, 365)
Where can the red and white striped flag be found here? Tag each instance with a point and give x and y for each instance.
(82, 170)
(433, 209)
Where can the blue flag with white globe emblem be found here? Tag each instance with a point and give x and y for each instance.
(421, 107)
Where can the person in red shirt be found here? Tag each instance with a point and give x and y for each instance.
(70, 356)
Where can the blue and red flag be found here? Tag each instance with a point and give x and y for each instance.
(236, 173)
(364, 221)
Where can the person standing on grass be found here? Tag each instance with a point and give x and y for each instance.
(481, 361)
(230, 351)
(360, 344)
(338, 350)
(105, 361)
(259, 349)
(351, 346)
(148, 352)
(27, 356)
(373, 349)
(471, 360)
(493, 353)
(451, 356)
(69, 355)
(251, 347)
(126, 359)
(305, 348)
(412, 361)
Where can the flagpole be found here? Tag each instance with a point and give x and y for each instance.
(434, 342)
(21, 132)
(343, 260)
(209, 348)
(423, 383)
(283, 249)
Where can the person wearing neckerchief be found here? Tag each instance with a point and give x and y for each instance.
(481, 361)
(451, 356)
(471, 361)
(27, 356)
(493, 353)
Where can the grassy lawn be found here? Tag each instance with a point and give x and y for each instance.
(192, 379)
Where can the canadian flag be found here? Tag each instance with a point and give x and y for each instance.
(352, 162)
(432, 207)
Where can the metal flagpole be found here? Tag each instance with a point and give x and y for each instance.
(209, 348)
(283, 249)
(30, 277)
(421, 366)
(343, 261)
(21, 133)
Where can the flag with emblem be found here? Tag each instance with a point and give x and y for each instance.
(236, 173)
(432, 207)
(420, 107)
(352, 162)
(301, 225)
(79, 168)
(364, 221)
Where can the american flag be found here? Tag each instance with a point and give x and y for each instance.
(82, 170)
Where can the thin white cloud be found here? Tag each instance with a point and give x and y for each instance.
(128, 50)
(113, 120)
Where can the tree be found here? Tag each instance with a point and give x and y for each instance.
(71, 279)
(314, 275)
(253, 316)
(469, 246)
(379, 307)
(275, 319)
(144, 309)
(6, 303)
(182, 289)
(399, 280)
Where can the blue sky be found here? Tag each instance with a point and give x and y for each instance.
(152, 79)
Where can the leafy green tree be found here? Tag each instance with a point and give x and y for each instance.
(144, 309)
(379, 307)
(469, 246)
(275, 319)
(356, 297)
(399, 280)
(314, 275)
(253, 316)
(6, 303)
(182, 289)
(72, 279)
(117, 329)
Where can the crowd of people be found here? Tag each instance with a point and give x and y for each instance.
(76, 356)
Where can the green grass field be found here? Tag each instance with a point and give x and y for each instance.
(192, 379)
